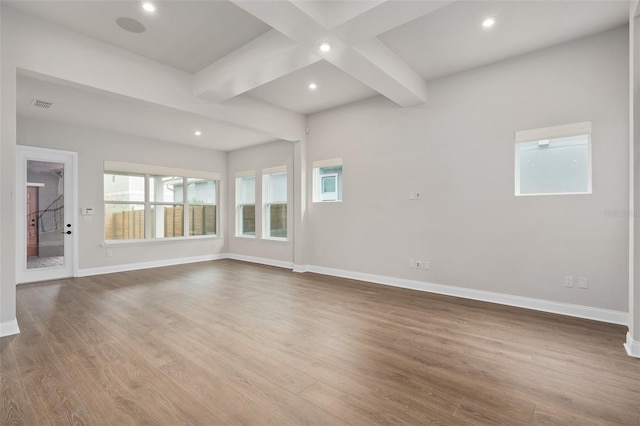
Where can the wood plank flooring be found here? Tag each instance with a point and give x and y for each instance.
(226, 342)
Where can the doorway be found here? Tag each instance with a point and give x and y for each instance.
(46, 199)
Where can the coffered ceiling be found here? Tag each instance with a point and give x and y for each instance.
(265, 54)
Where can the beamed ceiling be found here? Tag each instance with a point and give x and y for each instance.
(262, 55)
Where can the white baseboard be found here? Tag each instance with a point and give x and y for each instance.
(300, 268)
(146, 265)
(9, 328)
(632, 346)
(260, 260)
(580, 311)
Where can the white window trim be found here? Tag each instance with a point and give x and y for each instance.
(554, 132)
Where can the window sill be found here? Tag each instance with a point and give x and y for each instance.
(128, 243)
(276, 239)
(246, 237)
(553, 193)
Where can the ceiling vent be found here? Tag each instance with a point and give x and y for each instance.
(39, 104)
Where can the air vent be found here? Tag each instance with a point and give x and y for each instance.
(39, 104)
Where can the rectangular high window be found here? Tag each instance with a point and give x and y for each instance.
(274, 199)
(246, 204)
(554, 160)
(150, 204)
(327, 180)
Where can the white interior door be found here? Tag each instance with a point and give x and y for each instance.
(45, 214)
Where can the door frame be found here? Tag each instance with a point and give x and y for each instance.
(70, 159)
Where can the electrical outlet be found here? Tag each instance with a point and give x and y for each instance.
(412, 195)
(418, 196)
(583, 282)
(426, 265)
(568, 281)
(419, 264)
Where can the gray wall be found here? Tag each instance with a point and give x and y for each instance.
(93, 148)
(458, 150)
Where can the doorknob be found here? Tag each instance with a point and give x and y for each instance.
(68, 225)
(68, 232)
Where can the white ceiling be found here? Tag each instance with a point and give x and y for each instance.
(188, 35)
(335, 88)
(114, 113)
(451, 40)
(240, 50)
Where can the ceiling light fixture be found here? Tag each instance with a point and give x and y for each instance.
(149, 7)
(313, 86)
(325, 46)
(489, 22)
(197, 133)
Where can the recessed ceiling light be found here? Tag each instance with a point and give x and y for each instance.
(149, 7)
(197, 133)
(325, 46)
(313, 86)
(489, 22)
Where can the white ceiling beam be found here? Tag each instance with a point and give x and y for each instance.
(406, 88)
(384, 17)
(316, 9)
(264, 59)
(383, 58)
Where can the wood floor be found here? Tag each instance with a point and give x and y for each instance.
(226, 342)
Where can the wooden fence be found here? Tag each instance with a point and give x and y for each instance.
(129, 225)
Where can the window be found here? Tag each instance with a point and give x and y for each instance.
(202, 206)
(327, 180)
(152, 205)
(554, 160)
(124, 206)
(246, 204)
(274, 198)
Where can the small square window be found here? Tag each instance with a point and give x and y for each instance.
(554, 164)
(327, 181)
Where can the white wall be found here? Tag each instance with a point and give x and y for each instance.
(96, 146)
(258, 158)
(458, 150)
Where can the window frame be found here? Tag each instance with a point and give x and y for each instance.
(266, 202)
(239, 210)
(549, 134)
(318, 179)
(115, 168)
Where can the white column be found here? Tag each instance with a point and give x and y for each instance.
(632, 344)
(300, 200)
(8, 322)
